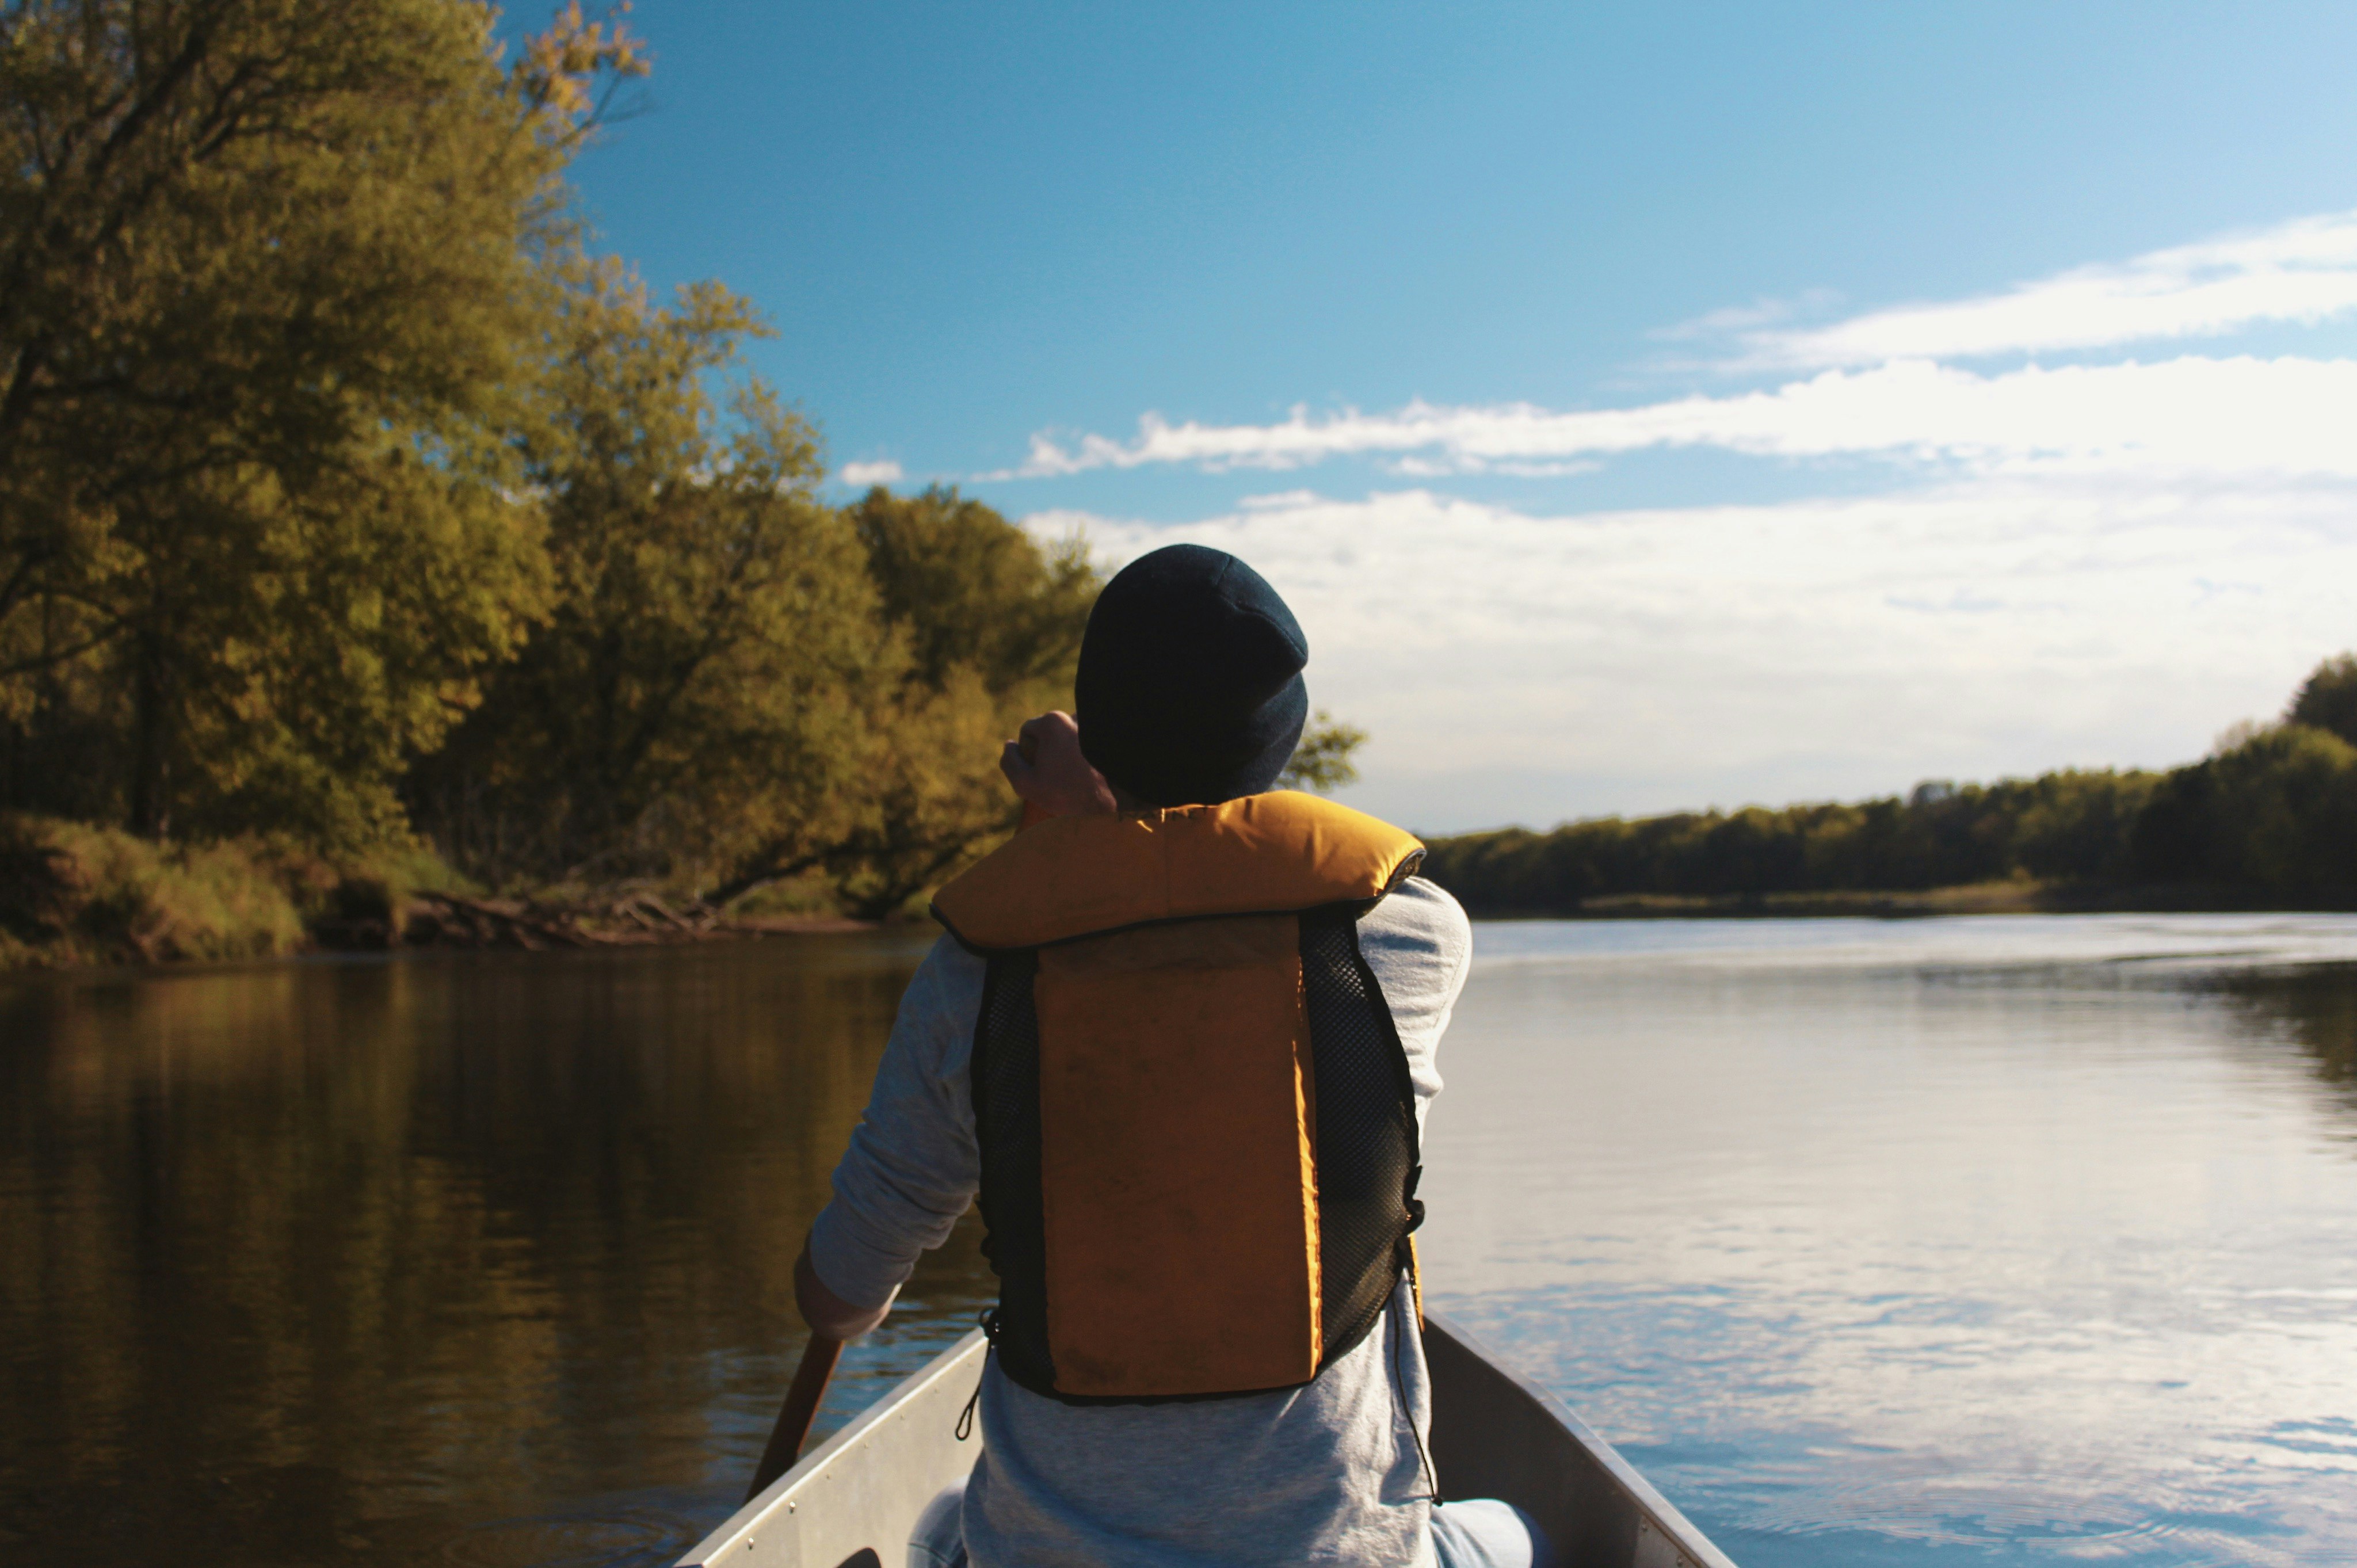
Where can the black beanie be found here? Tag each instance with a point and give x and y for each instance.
(1189, 690)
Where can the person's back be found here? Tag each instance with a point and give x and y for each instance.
(1178, 1042)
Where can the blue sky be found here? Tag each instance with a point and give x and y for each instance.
(1644, 406)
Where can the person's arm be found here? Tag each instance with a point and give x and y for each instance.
(912, 1167)
(1420, 946)
(827, 1313)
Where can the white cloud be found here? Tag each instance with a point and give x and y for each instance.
(885, 472)
(1281, 499)
(2113, 560)
(2304, 271)
(1520, 667)
(2191, 415)
(1881, 389)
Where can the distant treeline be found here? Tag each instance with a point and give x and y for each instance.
(2271, 813)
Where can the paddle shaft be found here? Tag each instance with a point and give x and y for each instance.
(801, 1409)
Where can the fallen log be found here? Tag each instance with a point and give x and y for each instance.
(451, 920)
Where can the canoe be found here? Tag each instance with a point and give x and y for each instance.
(852, 1502)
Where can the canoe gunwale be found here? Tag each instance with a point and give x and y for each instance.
(1496, 1434)
(774, 1531)
(1674, 1537)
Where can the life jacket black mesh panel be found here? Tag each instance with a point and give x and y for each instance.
(1006, 1073)
(1366, 1144)
(1367, 1167)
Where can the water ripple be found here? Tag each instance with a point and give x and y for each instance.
(630, 1538)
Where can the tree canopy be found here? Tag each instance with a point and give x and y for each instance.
(708, 619)
(271, 278)
(735, 684)
(2326, 700)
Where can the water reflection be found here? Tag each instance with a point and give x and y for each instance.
(1893, 1243)
(2314, 1008)
(316, 1260)
(1961, 1241)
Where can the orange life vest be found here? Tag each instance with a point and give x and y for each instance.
(1198, 1135)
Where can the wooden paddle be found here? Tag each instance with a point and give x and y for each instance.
(801, 1409)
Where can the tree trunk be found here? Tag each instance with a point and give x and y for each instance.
(151, 760)
(764, 869)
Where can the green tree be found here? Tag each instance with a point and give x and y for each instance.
(989, 623)
(698, 694)
(2069, 826)
(930, 798)
(269, 276)
(1322, 760)
(2275, 811)
(970, 588)
(2326, 700)
(2077, 825)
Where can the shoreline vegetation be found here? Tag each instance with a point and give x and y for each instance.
(2023, 895)
(2268, 820)
(73, 895)
(382, 566)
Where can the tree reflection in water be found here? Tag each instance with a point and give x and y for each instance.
(341, 1260)
(2314, 1007)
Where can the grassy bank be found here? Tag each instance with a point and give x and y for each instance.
(73, 893)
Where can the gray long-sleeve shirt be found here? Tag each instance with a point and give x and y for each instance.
(1328, 1473)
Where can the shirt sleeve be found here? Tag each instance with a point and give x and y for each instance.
(913, 1165)
(1420, 946)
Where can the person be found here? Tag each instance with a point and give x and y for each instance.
(1179, 1040)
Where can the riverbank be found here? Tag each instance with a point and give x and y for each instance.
(2013, 896)
(73, 895)
(630, 919)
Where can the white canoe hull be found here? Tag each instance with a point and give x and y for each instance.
(852, 1502)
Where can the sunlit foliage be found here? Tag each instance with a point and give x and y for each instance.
(342, 493)
(710, 621)
(989, 623)
(268, 287)
(972, 591)
(737, 684)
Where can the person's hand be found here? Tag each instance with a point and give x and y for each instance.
(1045, 765)
(826, 1312)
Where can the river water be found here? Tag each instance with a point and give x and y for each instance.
(1982, 1240)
